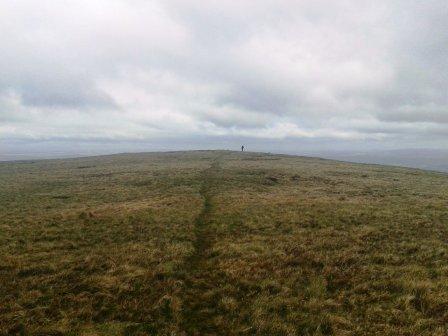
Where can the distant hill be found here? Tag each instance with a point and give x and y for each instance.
(221, 243)
(429, 159)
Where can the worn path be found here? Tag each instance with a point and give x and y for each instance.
(198, 312)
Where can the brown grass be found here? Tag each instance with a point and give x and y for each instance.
(221, 243)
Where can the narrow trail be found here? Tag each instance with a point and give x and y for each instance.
(203, 233)
(201, 277)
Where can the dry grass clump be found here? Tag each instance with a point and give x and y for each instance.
(221, 243)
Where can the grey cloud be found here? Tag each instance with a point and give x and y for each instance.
(418, 114)
(45, 91)
(259, 98)
(194, 69)
(64, 94)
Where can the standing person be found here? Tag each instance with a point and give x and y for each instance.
(242, 148)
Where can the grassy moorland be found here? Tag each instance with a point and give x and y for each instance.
(221, 243)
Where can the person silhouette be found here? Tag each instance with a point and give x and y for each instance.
(242, 148)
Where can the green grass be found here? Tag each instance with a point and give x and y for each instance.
(221, 243)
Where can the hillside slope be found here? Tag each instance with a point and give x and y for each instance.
(221, 243)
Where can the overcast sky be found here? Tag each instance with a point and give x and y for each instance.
(210, 73)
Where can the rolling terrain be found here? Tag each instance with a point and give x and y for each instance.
(221, 243)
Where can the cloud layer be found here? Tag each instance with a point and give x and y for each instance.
(142, 70)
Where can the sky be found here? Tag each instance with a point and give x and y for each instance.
(276, 75)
